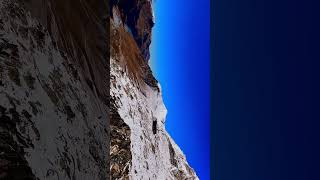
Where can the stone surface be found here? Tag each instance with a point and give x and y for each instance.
(60, 93)
(139, 119)
(54, 107)
(137, 16)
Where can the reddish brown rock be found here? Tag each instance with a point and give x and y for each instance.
(138, 16)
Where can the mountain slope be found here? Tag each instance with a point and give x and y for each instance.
(53, 110)
(137, 101)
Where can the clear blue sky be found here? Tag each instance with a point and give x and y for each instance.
(180, 59)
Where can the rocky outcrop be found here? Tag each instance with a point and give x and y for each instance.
(120, 154)
(80, 29)
(60, 92)
(139, 118)
(54, 93)
(138, 18)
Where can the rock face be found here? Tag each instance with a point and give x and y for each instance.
(73, 107)
(138, 18)
(54, 89)
(141, 148)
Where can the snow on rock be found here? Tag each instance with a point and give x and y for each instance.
(52, 125)
(154, 156)
(138, 101)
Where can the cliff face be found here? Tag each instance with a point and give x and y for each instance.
(142, 148)
(138, 18)
(61, 95)
(54, 89)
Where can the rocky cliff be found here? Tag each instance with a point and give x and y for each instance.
(54, 89)
(140, 148)
(73, 107)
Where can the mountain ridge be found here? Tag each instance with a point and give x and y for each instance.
(138, 102)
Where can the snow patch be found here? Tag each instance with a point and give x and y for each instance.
(151, 156)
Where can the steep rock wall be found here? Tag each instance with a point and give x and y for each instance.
(138, 102)
(138, 18)
(53, 106)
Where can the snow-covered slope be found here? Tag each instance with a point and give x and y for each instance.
(52, 124)
(55, 95)
(137, 99)
(154, 156)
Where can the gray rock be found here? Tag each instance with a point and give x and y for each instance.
(54, 107)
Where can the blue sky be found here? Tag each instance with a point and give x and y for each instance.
(180, 59)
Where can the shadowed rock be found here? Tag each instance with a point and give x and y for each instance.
(53, 123)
